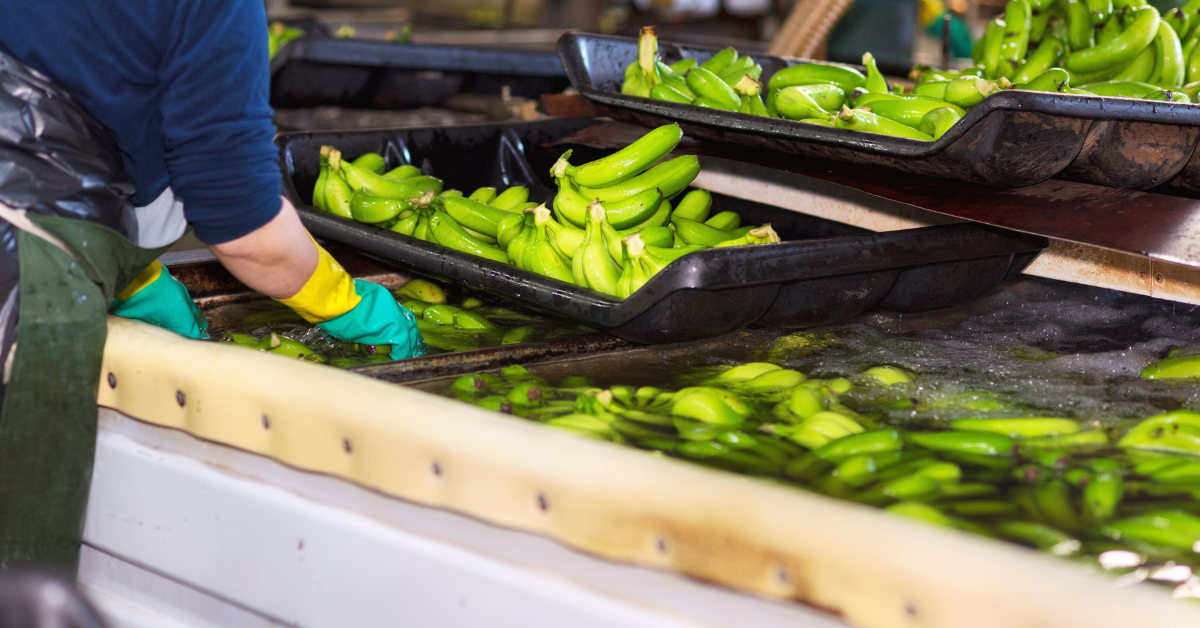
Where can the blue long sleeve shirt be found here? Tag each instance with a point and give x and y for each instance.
(183, 85)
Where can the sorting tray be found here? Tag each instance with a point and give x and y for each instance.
(1012, 139)
(823, 272)
(373, 74)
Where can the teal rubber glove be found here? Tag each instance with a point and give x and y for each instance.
(378, 320)
(159, 299)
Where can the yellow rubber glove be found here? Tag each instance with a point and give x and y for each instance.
(356, 310)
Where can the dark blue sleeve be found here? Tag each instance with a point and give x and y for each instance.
(217, 126)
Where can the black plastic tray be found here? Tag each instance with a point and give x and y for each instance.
(1011, 139)
(373, 74)
(824, 272)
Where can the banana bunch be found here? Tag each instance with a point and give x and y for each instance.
(725, 81)
(599, 206)
(1117, 48)
(624, 195)
(279, 34)
(1056, 484)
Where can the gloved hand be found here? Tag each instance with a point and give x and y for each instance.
(157, 298)
(355, 310)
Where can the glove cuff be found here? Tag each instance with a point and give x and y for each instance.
(327, 294)
(148, 276)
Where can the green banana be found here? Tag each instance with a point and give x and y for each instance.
(449, 234)
(338, 193)
(683, 65)
(875, 81)
(862, 120)
(794, 103)
(672, 80)
(623, 164)
(1176, 432)
(636, 82)
(877, 442)
(370, 161)
(1171, 529)
(670, 177)
(483, 195)
(704, 84)
(933, 89)
(1041, 536)
(1167, 95)
(544, 259)
(820, 429)
(379, 185)
(402, 172)
(720, 61)
(318, 195)
(1041, 60)
(566, 239)
(658, 219)
(508, 228)
(633, 276)
(1169, 68)
(726, 221)
(662, 91)
(994, 35)
(572, 206)
(760, 235)
(1052, 80)
(967, 92)
(695, 205)
(1112, 28)
(1039, 21)
(827, 96)
(511, 198)
(1099, 11)
(655, 236)
(938, 121)
(407, 223)
(979, 443)
(655, 259)
(474, 214)
(697, 233)
(1121, 49)
(518, 244)
(1080, 34)
(817, 74)
(593, 266)
(366, 207)
(1019, 428)
(1186, 367)
(909, 112)
(752, 104)
(709, 103)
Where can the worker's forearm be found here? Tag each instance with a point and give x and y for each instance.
(276, 259)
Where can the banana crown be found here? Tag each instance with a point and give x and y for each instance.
(541, 215)
(747, 86)
(634, 245)
(596, 212)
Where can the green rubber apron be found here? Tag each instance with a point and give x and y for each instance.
(70, 270)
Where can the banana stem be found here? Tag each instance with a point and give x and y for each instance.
(648, 50)
(541, 215)
(562, 167)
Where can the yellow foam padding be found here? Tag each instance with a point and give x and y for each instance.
(327, 294)
(144, 278)
(874, 569)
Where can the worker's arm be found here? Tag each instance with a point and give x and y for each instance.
(280, 260)
(276, 259)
